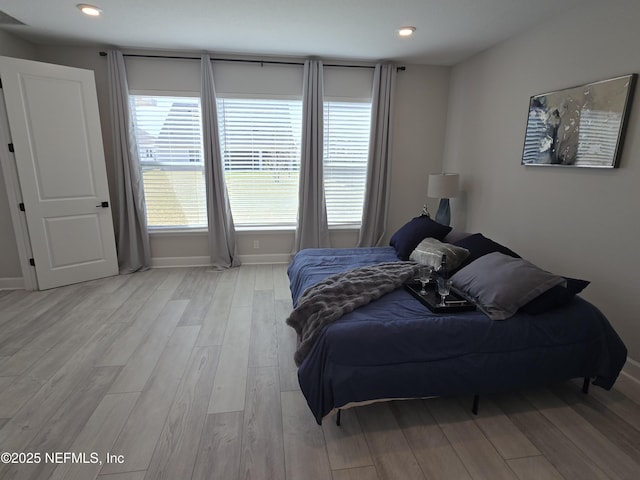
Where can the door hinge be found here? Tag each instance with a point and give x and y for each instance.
(11, 148)
(32, 262)
(21, 207)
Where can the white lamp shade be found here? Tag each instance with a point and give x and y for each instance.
(443, 185)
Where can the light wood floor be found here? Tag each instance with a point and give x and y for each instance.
(188, 374)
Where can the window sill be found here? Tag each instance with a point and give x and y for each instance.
(168, 232)
(265, 229)
(354, 228)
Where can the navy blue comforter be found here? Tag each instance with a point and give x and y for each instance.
(395, 347)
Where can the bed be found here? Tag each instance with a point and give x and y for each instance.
(393, 347)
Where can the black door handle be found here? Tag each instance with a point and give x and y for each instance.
(103, 205)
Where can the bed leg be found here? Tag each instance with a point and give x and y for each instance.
(338, 417)
(476, 401)
(585, 385)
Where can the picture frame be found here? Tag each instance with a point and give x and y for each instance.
(580, 126)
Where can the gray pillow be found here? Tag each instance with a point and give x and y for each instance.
(500, 284)
(429, 252)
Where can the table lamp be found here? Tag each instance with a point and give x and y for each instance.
(443, 186)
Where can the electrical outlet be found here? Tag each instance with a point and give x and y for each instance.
(256, 244)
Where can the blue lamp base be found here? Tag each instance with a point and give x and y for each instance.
(443, 215)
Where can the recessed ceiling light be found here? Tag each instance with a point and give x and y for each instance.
(406, 31)
(89, 10)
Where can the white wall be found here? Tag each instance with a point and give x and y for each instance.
(418, 142)
(12, 46)
(10, 271)
(420, 115)
(576, 222)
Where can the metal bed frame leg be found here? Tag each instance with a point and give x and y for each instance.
(476, 400)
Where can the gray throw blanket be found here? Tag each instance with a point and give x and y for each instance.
(327, 301)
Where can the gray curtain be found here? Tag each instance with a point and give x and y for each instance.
(376, 199)
(222, 233)
(312, 230)
(132, 236)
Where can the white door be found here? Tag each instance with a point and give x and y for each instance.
(55, 131)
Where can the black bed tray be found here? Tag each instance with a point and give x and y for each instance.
(455, 302)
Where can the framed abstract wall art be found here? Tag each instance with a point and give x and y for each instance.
(581, 126)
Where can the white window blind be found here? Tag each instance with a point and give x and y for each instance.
(169, 136)
(260, 143)
(346, 150)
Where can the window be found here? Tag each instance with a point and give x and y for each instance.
(260, 143)
(260, 146)
(346, 150)
(169, 136)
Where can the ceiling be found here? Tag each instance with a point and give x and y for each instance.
(447, 31)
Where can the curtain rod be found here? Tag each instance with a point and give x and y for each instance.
(239, 60)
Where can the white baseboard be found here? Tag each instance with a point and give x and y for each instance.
(632, 369)
(168, 262)
(203, 261)
(265, 258)
(12, 283)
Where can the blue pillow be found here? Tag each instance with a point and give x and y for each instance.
(555, 297)
(407, 238)
(479, 245)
